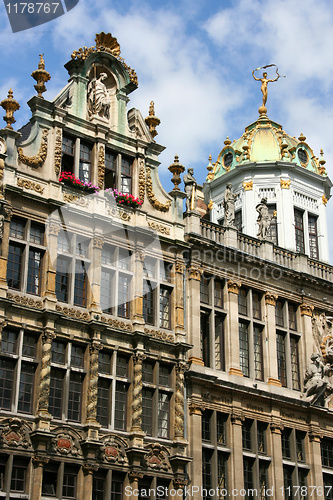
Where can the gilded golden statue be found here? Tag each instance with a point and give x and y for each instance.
(264, 81)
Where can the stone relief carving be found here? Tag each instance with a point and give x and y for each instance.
(66, 442)
(38, 160)
(317, 384)
(113, 450)
(229, 206)
(263, 220)
(98, 97)
(15, 432)
(157, 457)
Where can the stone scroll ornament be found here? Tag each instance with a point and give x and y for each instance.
(45, 372)
(93, 381)
(137, 392)
(38, 160)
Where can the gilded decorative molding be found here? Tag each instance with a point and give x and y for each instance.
(54, 228)
(270, 299)
(160, 335)
(120, 214)
(325, 200)
(101, 167)
(137, 392)
(285, 183)
(142, 181)
(40, 460)
(15, 432)
(93, 380)
(327, 348)
(306, 310)
(44, 381)
(195, 408)
(159, 228)
(81, 201)
(181, 367)
(113, 450)
(58, 152)
(70, 312)
(38, 160)
(157, 457)
(152, 198)
(237, 417)
(33, 186)
(121, 325)
(276, 427)
(98, 242)
(248, 186)
(67, 442)
(233, 286)
(195, 272)
(25, 301)
(105, 42)
(315, 435)
(180, 267)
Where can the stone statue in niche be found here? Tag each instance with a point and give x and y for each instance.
(317, 385)
(99, 101)
(263, 220)
(229, 206)
(190, 190)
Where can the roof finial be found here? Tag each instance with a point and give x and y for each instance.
(152, 120)
(176, 169)
(264, 81)
(322, 161)
(10, 106)
(41, 76)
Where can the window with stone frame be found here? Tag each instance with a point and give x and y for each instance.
(157, 292)
(313, 236)
(108, 485)
(60, 480)
(287, 344)
(299, 230)
(212, 319)
(67, 381)
(110, 179)
(157, 396)
(295, 469)
(251, 330)
(116, 281)
(113, 384)
(25, 256)
(126, 174)
(18, 364)
(215, 451)
(256, 461)
(72, 268)
(77, 157)
(14, 476)
(273, 227)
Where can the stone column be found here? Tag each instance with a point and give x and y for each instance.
(93, 382)
(237, 473)
(37, 478)
(276, 451)
(306, 328)
(88, 471)
(95, 272)
(139, 257)
(315, 477)
(51, 259)
(134, 477)
(181, 367)
(5, 218)
(232, 331)
(195, 440)
(137, 393)
(194, 326)
(272, 368)
(44, 378)
(179, 305)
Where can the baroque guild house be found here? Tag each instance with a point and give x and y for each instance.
(146, 349)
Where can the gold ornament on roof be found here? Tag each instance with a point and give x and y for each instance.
(325, 200)
(264, 82)
(105, 42)
(10, 106)
(227, 142)
(302, 137)
(322, 161)
(41, 76)
(152, 121)
(176, 169)
(210, 168)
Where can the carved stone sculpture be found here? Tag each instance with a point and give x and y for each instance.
(190, 190)
(316, 382)
(98, 97)
(263, 220)
(229, 206)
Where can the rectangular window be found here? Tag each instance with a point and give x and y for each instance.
(285, 442)
(110, 170)
(120, 406)
(218, 293)
(258, 354)
(126, 175)
(244, 348)
(242, 301)
(313, 237)
(148, 372)
(221, 428)
(80, 283)
(19, 472)
(103, 397)
(50, 479)
(206, 472)
(263, 480)
(219, 342)
(148, 303)
(205, 425)
(261, 437)
(248, 475)
(147, 411)
(68, 151)
(123, 296)
(77, 356)
(25, 398)
(327, 452)
(74, 397)
(256, 305)
(6, 383)
(107, 284)
(204, 289)
(204, 318)
(294, 363)
(69, 482)
(165, 307)
(17, 227)
(279, 316)
(163, 415)
(238, 221)
(281, 358)
(272, 231)
(288, 481)
(292, 309)
(222, 465)
(62, 279)
(56, 392)
(104, 360)
(58, 352)
(29, 345)
(14, 266)
(34, 271)
(116, 487)
(299, 232)
(164, 375)
(85, 161)
(9, 341)
(36, 234)
(247, 434)
(300, 446)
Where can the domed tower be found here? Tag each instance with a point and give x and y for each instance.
(267, 163)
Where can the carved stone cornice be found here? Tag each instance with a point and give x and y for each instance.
(307, 310)
(270, 299)
(25, 301)
(315, 435)
(237, 417)
(276, 426)
(233, 286)
(159, 227)
(32, 186)
(158, 334)
(71, 312)
(115, 323)
(38, 160)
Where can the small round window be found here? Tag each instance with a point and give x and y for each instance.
(303, 156)
(227, 160)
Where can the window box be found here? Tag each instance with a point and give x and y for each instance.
(123, 199)
(69, 179)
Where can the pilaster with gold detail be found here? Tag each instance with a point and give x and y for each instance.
(272, 370)
(194, 277)
(5, 218)
(237, 419)
(232, 333)
(95, 270)
(276, 429)
(38, 462)
(139, 257)
(53, 230)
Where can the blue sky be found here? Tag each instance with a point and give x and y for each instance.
(194, 59)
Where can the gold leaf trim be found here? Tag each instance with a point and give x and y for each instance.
(58, 151)
(77, 200)
(160, 335)
(71, 312)
(101, 167)
(248, 186)
(142, 181)
(159, 228)
(285, 183)
(33, 186)
(121, 325)
(152, 198)
(25, 301)
(38, 160)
